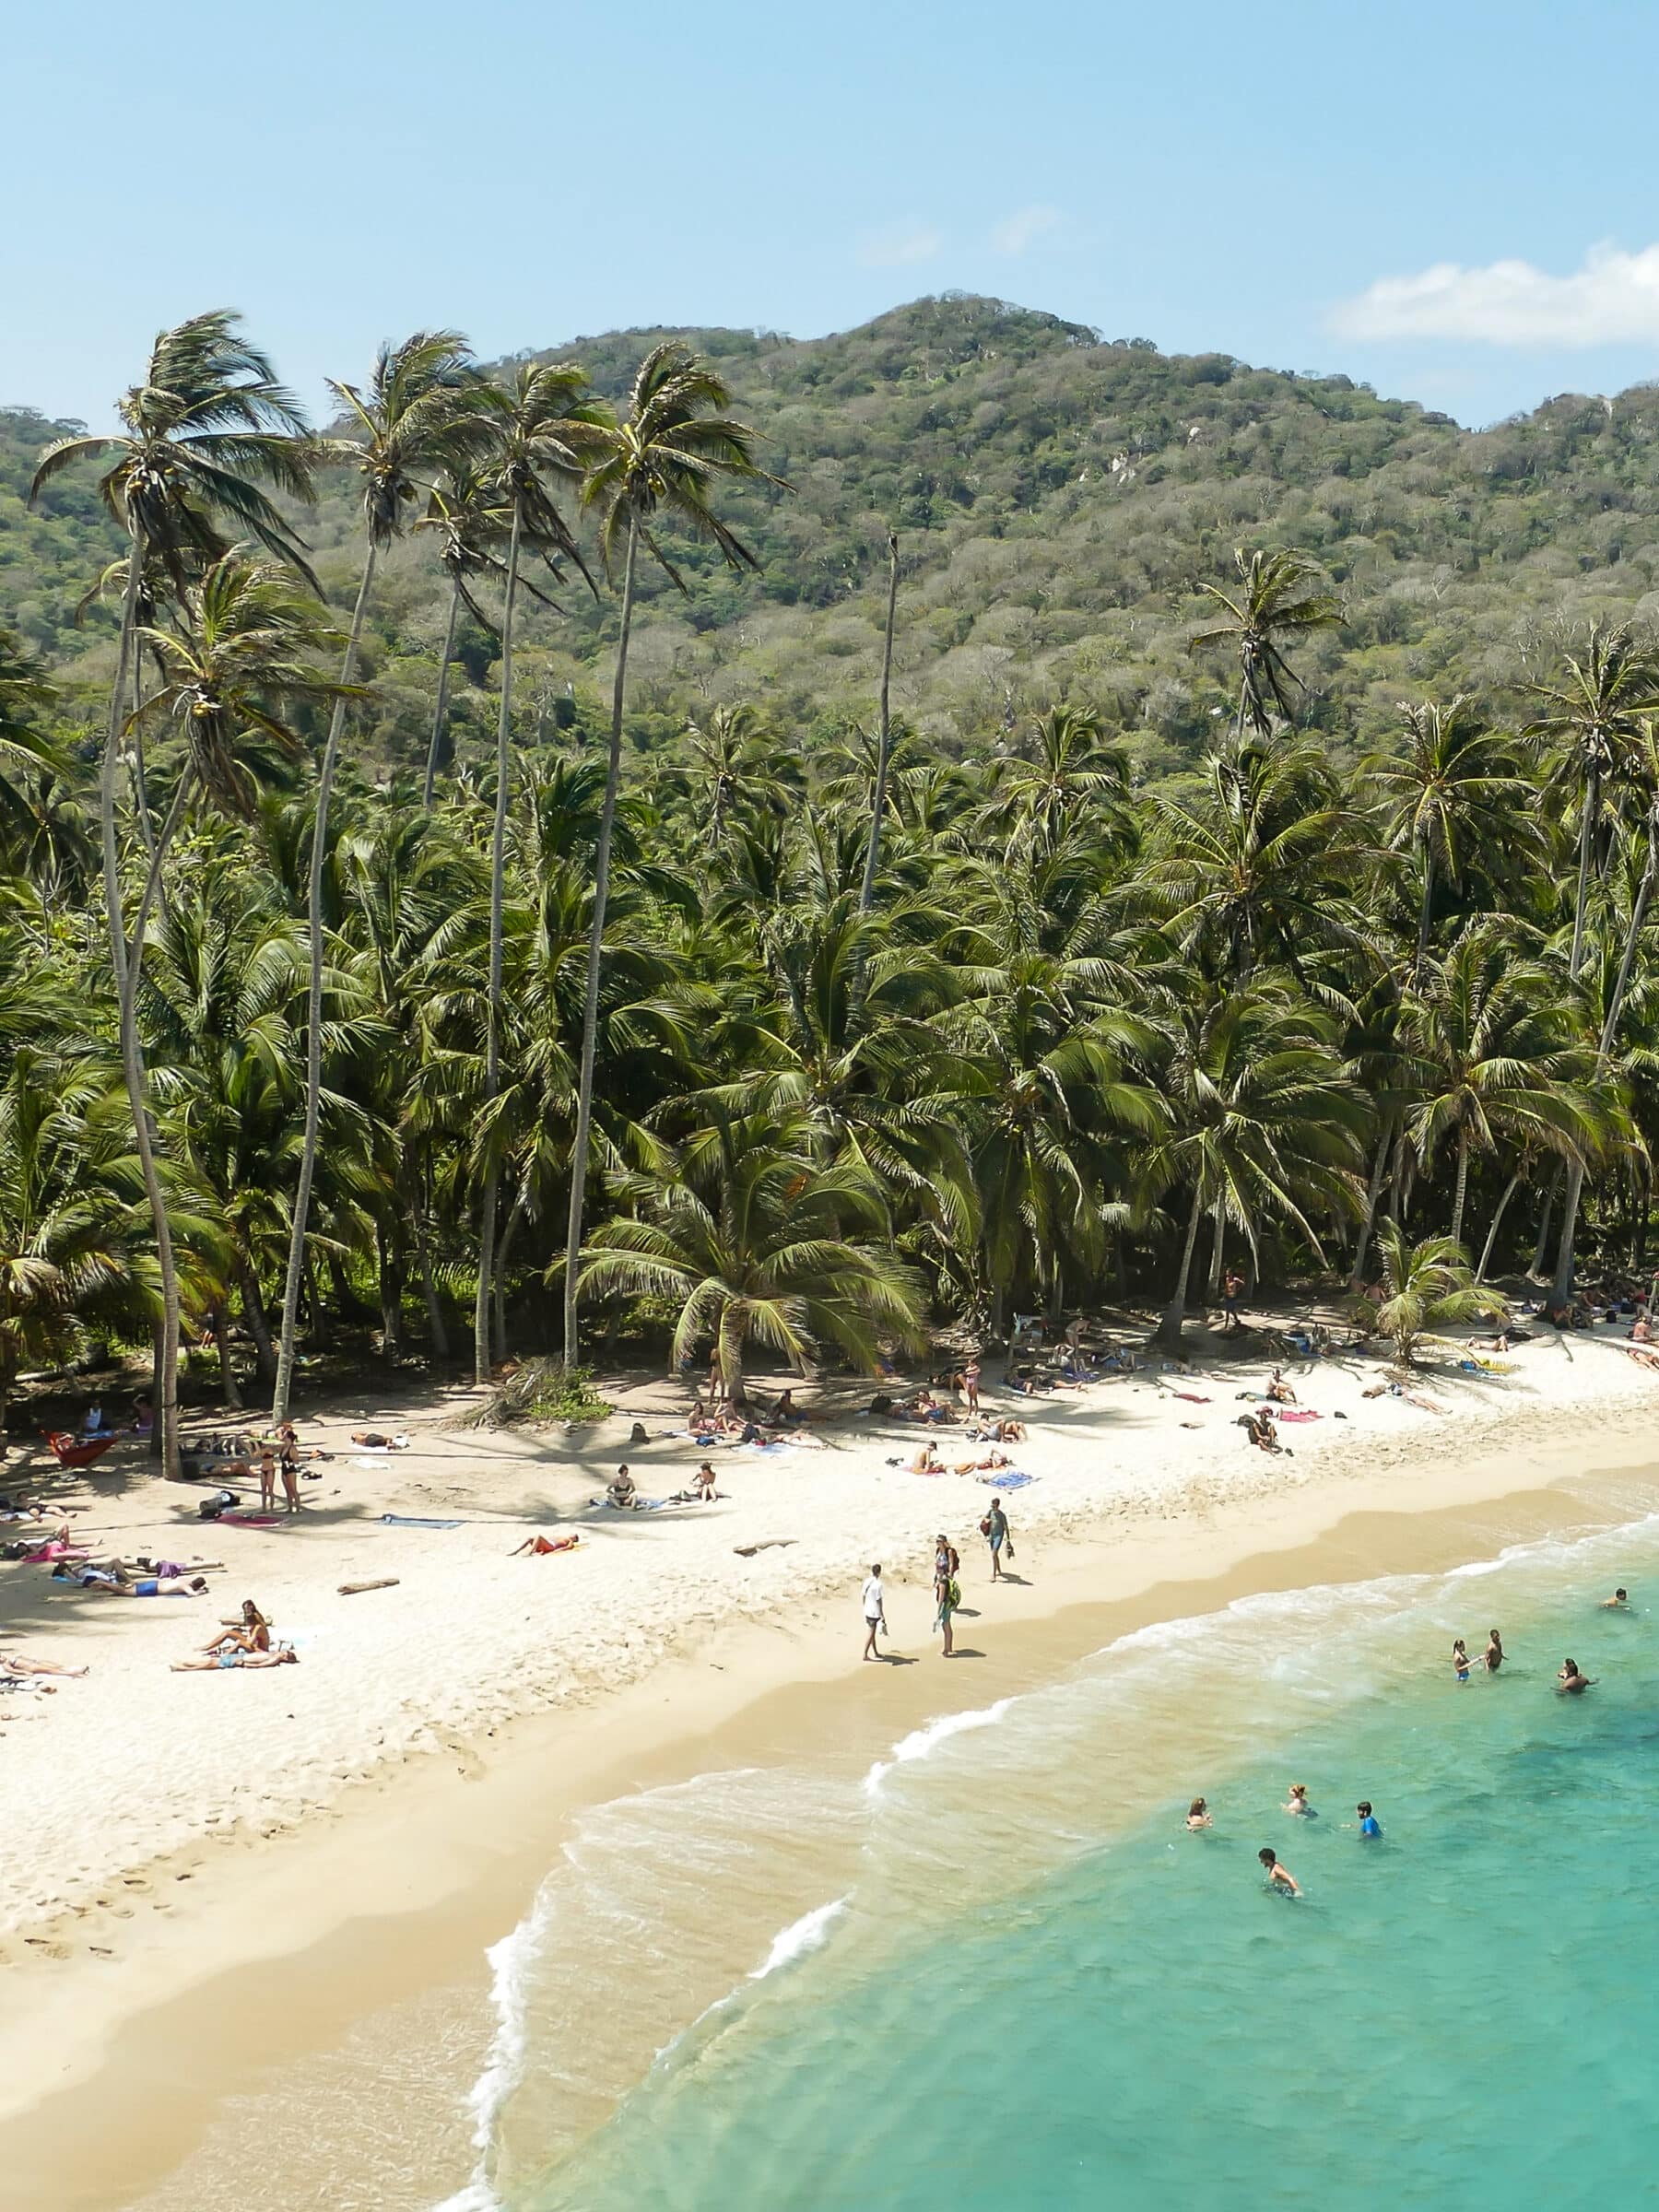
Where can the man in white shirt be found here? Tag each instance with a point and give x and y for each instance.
(875, 1612)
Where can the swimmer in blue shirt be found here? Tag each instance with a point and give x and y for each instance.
(1368, 1823)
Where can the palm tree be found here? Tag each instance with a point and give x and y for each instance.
(26, 697)
(1265, 1121)
(884, 731)
(1070, 776)
(758, 1239)
(534, 425)
(468, 518)
(1452, 785)
(1423, 1284)
(1278, 595)
(740, 766)
(1491, 1042)
(207, 426)
(418, 413)
(661, 460)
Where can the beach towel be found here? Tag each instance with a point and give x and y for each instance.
(1295, 1413)
(415, 1520)
(645, 1505)
(1191, 1397)
(249, 1520)
(1010, 1479)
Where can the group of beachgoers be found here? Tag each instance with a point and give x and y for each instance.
(75, 1561)
(1571, 1682)
(947, 1583)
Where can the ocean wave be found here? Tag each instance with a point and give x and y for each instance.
(921, 1743)
(811, 1933)
(510, 1961)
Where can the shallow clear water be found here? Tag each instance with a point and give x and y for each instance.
(1019, 1982)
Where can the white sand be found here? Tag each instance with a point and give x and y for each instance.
(135, 1763)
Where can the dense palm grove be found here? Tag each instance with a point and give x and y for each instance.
(744, 1043)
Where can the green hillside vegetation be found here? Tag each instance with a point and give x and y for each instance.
(1058, 501)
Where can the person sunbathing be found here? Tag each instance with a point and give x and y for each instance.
(250, 1633)
(1007, 1432)
(13, 1662)
(376, 1439)
(538, 1546)
(206, 1663)
(975, 1466)
(1278, 1390)
(116, 1579)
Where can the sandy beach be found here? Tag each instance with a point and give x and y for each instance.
(185, 1833)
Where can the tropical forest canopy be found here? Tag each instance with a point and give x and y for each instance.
(468, 873)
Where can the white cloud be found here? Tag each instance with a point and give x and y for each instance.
(1612, 300)
(899, 244)
(1016, 232)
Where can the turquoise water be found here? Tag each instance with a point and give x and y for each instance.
(1035, 1989)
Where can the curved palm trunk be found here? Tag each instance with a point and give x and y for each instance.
(1379, 1169)
(1462, 1184)
(136, 1075)
(1169, 1329)
(590, 1012)
(441, 712)
(1510, 1188)
(1426, 911)
(131, 1056)
(1218, 1252)
(884, 734)
(1563, 1286)
(314, 1017)
(497, 887)
(1587, 838)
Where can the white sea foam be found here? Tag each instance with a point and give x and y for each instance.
(510, 1962)
(811, 1933)
(921, 1743)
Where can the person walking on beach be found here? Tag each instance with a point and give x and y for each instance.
(995, 1525)
(948, 1591)
(1460, 1659)
(1572, 1680)
(1492, 1657)
(970, 1382)
(874, 1610)
(1279, 1878)
(1231, 1286)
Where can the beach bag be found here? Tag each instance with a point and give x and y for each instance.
(953, 1593)
(986, 1525)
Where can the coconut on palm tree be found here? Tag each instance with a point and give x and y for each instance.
(657, 463)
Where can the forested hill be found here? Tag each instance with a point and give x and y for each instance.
(1058, 499)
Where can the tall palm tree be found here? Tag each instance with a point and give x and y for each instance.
(1450, 784)
(535, 424)
(1492, 1044)
(660, 460)
(26, 699)
(1278, 596)
(208, 425)
(1070, 775)
(867, 894)
(1595, 715)
(760, 1240)
(418, 413)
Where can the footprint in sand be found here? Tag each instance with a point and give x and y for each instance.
(52, 1950)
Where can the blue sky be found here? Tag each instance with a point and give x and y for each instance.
(1454, 202)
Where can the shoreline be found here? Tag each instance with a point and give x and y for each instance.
(120, 2066)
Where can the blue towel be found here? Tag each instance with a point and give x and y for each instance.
(415, 1521)
(1010, 1479)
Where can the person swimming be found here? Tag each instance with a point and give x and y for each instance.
(1618, 1602)
(1368, 1823)
(1198, 1815)
(1573, 1681)
(1492, 1657)
(1297, 1802)
(1460, 1659)
(1279, 1878)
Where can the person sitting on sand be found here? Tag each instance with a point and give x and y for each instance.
(250, 1633)
(1572, 1681)
(1278, 1390)
(702, 1483)
(1007, 1432)
(538, 1546)
(1259, 1429)
(1279, 1877)
(1618, 1602)
(1640, 1332)
(205, 1664)
(1198, 1816)
(926, 1462)
(786, 1410)
(622, 1492)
